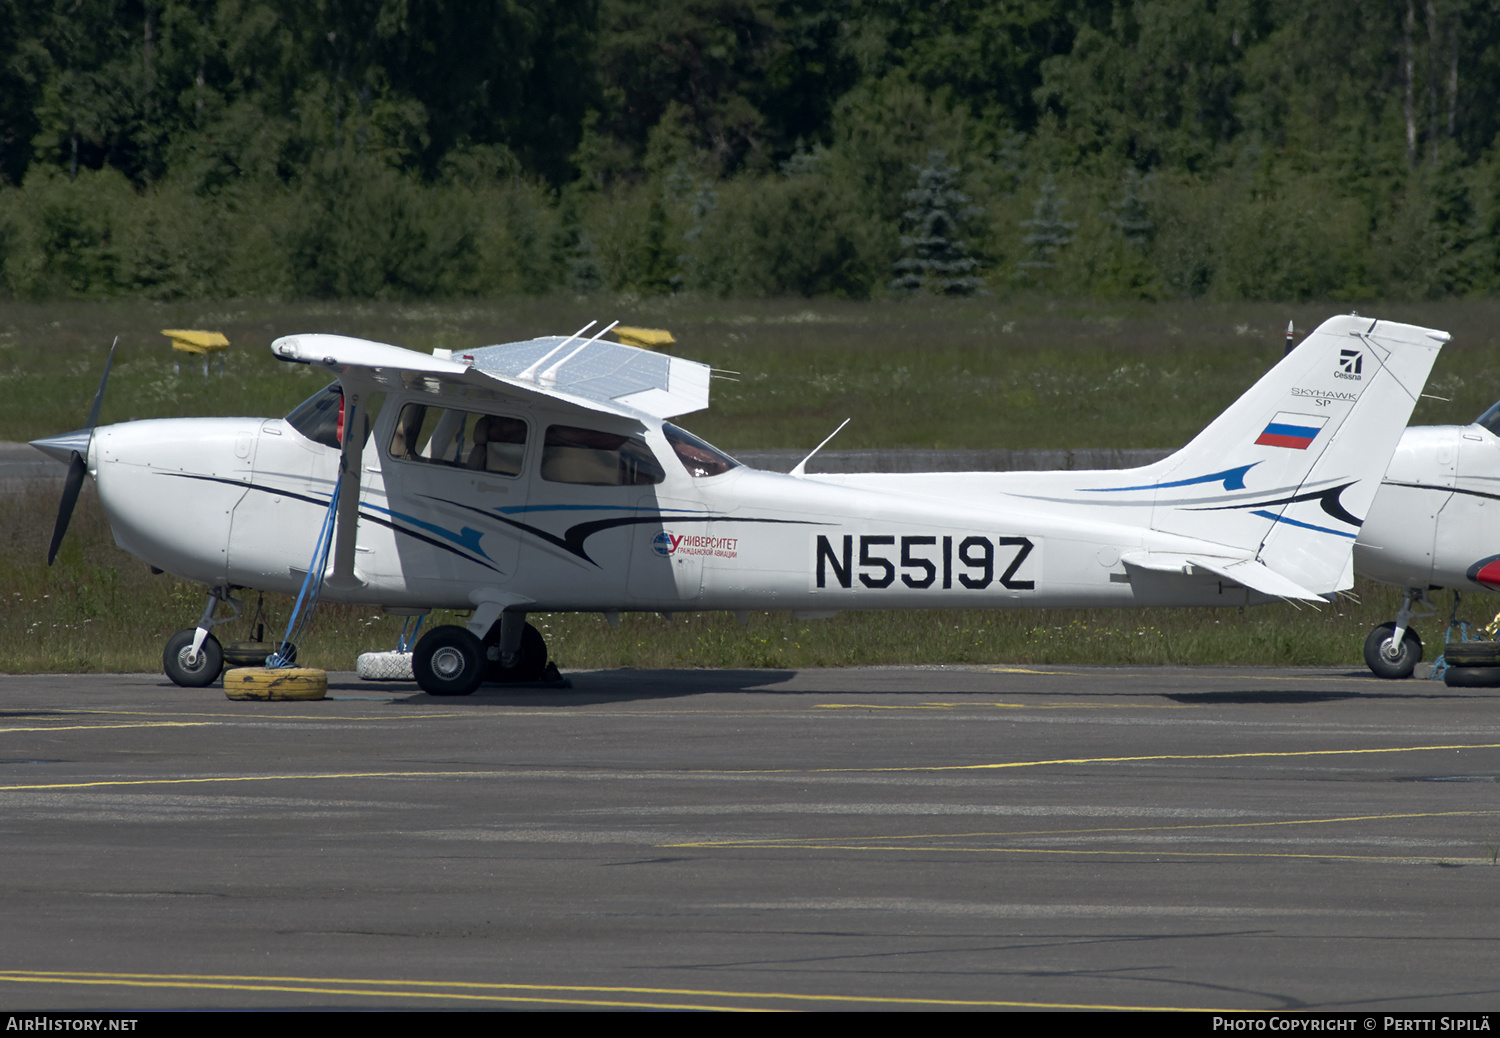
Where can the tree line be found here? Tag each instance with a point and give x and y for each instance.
(387, 148)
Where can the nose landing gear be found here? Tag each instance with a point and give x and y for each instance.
(193, 658)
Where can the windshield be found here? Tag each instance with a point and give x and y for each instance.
(1490, 419)
(321, 416)
(698, 456)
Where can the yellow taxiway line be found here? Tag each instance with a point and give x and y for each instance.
(552, 994)
(500, 770)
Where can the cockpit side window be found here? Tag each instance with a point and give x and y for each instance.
(699, 457)
(596, 458)
(1490, 419)
(460, 439)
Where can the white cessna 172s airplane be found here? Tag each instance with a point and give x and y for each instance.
(1432, 526)
(544, 476)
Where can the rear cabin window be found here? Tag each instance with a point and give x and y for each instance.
(459, 439)
(596, 458)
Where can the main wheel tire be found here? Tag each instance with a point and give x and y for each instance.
(531, 658)
(1472, 677)
(1387, 664)
(1472, 654)
(199, 673)
(448, 661)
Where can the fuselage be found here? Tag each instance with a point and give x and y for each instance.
(239, 502)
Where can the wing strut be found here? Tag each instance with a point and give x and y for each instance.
(351, 461)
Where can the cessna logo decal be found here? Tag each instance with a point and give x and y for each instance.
(1351, 365)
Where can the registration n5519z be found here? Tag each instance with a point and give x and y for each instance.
(880, 561)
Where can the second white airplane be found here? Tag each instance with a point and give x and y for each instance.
(1435, 524)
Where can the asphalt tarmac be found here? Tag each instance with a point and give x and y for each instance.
(891, 838)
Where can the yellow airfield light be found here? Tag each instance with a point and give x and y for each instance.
(646, 338)
(196, 342)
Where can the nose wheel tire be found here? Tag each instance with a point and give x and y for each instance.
(1386, 659)
(448, 661)
(192, 673)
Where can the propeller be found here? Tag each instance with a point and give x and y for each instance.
(73, 448)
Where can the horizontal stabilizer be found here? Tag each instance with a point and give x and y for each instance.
(1245, 572)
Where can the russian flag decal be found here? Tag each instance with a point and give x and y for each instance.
(1296, 431)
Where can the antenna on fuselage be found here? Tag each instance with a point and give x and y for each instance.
(800, 470)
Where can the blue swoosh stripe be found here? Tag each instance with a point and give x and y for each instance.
(1233, 479)
(1306, 526)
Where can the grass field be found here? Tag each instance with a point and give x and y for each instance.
(914, 374)
(920, 373)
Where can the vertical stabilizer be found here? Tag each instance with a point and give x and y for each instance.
(1298, 459)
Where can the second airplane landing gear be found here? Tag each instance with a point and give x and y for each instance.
(1393, 650)
(1388, 659)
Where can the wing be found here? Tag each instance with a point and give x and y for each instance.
(603, 377)
(596, 377)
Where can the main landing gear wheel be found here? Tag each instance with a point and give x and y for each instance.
(189, 673)
(530, 660)
(448, 661)
(1384, 658)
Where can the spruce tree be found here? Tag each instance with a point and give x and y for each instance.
(1047, 233)
(1126, 271)
(573, 250)
(934, 257)
(1131, 219)
(692, 271)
